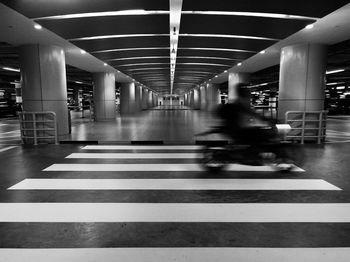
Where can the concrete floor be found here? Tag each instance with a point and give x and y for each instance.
(69, 207)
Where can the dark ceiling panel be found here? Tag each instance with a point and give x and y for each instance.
(41, 8)
(214, 53)
(128, 42)
(313, 8)
(76, 28)
(245, 44)
(135, 53)
(240, 25)
(141, 62)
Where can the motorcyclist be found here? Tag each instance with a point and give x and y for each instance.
(243, 124)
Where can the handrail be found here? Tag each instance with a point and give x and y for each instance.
(306, 125)
(38, 126)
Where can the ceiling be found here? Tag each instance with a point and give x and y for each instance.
(136, 40)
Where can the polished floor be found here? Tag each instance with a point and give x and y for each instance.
(124, 202)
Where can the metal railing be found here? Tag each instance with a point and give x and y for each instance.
(38, 127)
(307, 126)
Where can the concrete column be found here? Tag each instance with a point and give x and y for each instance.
(196, 102)
(127, 98)
(186, 99)
(302, 78)
(233, 80)
(104, 96)
(44, 88)
(144, 98)
(138, 98)
(213, 96)
(150, 99)
(203, 98)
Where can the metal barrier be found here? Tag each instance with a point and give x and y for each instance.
(38, 127)
(307, 126)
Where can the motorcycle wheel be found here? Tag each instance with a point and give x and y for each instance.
(213, 159)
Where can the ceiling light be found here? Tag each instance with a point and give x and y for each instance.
(225, 71)
(82, 51)
(105, 64)
(310, 26)
(239, 64)
(340, 87)
(262, 52)
(104, 14)
(38, 27)
(11, 69)
(216, 76)
(335, 71)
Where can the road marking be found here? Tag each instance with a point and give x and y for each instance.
(156, 167)
(176, 212)
(173, 184)
(6, 148)
(135, 147)
(136, 155)
(187, 254)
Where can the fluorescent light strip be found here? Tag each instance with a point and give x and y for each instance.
(253, 14)
(141, 64)
(203, 64)
(11, 69)
(146, 69)
(208, 57)
(104, 14)
(230, 36)
(334, 71)
(129, 49)
(332, 84)
(99, 37)
(216, 49)
(137, 57)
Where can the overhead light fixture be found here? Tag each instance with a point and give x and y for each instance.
(82, 51)
(262, 52)
(11, 69)
(334, 71)
(105, 64)
(340, 87)
(239, 64)
(38, 27)
(225, 71)
(174, 31)
(310, 26)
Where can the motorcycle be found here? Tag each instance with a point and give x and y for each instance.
(274, 152)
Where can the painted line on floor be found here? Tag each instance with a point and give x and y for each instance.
(185, 254)
(136, 155)
(156, 167)
(136, 147)
(7, 148)
(173, 184)
(176, 212)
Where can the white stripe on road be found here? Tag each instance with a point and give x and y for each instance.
(6, 148)
(175, 212)
(136, 147)
(136, 155)
(156, 167)
(186, 254)
(173, 184)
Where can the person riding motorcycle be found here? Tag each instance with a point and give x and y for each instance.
(243, 124)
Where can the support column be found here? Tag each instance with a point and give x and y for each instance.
(127, 98)
(203, 98)
(234, 79)
(213, 96)
(150, 99)
(138, 98)
(186, 100)
(44, 88)
(302, 78)
(196, 102)
(104, 96)
(144, 98)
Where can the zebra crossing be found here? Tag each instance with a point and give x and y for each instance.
(168, 230)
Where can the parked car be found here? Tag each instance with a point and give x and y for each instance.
(9, 107)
